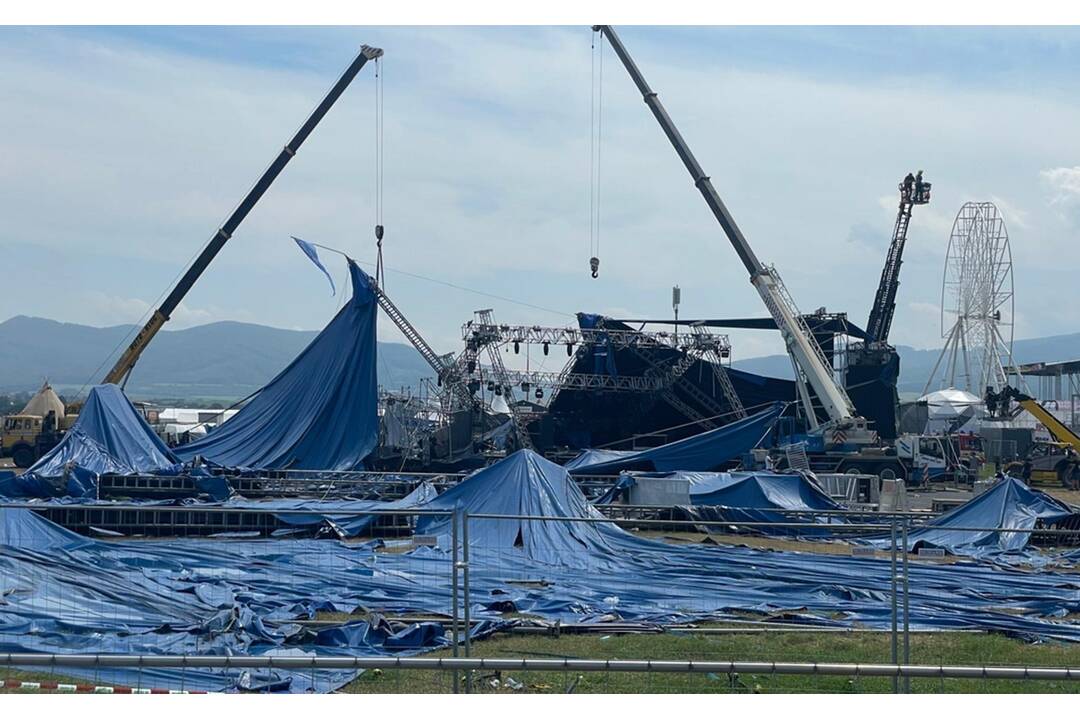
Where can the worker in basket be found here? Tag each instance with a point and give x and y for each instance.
(908, 184)
(920, 187)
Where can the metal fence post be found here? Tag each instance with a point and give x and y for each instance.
(454, 590)
(465, 577)
(892, 577)
(907, 604)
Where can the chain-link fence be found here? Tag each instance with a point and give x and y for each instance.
(814, 602)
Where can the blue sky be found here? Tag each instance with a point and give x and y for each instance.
(126, 147)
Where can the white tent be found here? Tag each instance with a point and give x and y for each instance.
(952, 410)
(46, 400)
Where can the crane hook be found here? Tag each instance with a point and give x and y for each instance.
(594, 265)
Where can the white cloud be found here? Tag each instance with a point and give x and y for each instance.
(1065, 181)
(487, 180)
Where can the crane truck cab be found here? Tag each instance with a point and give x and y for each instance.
(940, 458)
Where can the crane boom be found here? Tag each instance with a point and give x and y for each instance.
(881, 312)
(800, 342)
(130, 356)
(1060, 431)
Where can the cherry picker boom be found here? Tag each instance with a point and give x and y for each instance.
(881, 312)
(845, 425)
(130, 356)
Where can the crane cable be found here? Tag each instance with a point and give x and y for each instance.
(596, 126)
(380, 274)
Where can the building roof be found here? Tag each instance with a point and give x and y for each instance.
(1047, 369)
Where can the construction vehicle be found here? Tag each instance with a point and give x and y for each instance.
(1054, 461)
(27, 437)
(36, 429)
(122, 369)
(844, 429)
(953, 459)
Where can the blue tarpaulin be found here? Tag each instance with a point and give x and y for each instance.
(343, 518)
(598, 456)
(761, 497)
(1009, 503)
(109, 436)
(705, 451)
(523, 484)
(63, 593)
(320, 412)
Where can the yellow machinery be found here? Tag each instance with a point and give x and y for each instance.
(35, 429)
(27, 437)
(1058, 460)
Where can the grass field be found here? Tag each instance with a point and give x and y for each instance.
(935, 649)
(938, 649)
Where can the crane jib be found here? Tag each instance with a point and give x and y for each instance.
(130, 356)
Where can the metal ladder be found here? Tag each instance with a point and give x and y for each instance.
(446, 369)
(721, 374)
(881, 312)
(797, 458)
(674, 376)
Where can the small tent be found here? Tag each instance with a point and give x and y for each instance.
(44, 402)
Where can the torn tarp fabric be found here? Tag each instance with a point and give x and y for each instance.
(61, 593)
(705, 451)
(109, 436)
(313, 256)
(320, 412)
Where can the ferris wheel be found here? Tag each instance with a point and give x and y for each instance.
(976, 303)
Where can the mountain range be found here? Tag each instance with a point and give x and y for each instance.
(218, 361)
(229, 360)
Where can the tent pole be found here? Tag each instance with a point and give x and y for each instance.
(892, 575)
(454, 590)
(465, 577)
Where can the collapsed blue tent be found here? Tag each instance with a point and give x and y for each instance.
(597, 456)
(109, 436)
(1009, 503)
(758, 490)
(705, 451)
(319, 413)
(747, 497)
(523, 484)
(65, 594)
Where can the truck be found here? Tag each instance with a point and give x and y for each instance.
(913, 457)
(26, 438)
(36, 429)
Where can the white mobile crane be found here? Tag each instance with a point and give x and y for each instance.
(844, 427)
